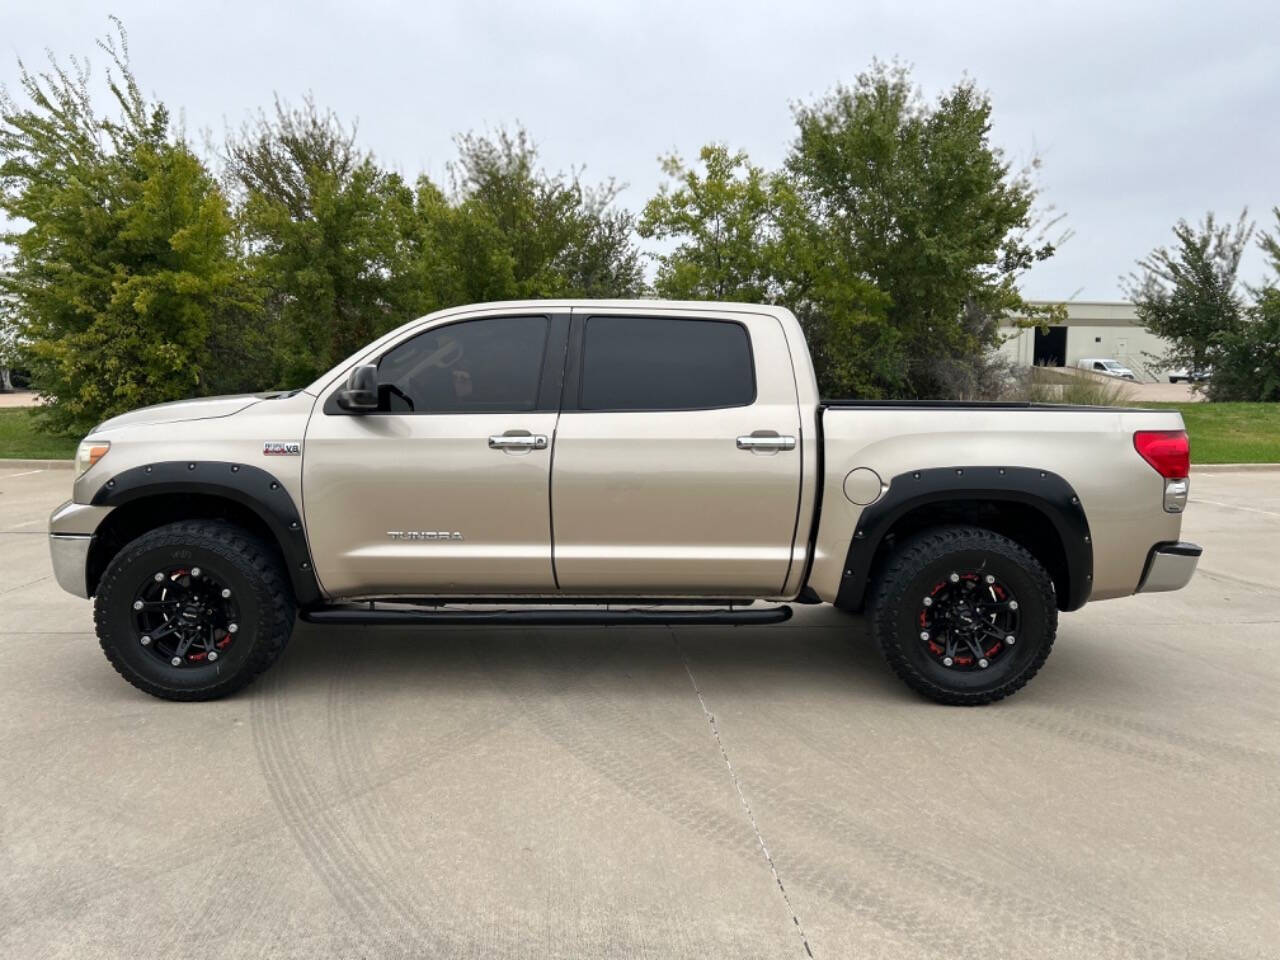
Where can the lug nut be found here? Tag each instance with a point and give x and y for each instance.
(928, 601)
(1010, 640)
(924, 634)
(145, 640)
(990, 578)
(213, 655)
(195, 571)
(955, 578)
(1013, 604)
(983, 663)
(226, 592)
(159, 577)
(947, 661)
(176, 661)
(232, 627)
(137, 604)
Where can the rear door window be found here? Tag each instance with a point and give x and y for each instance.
(664, 363)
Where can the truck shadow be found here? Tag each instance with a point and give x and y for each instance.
(829, 657)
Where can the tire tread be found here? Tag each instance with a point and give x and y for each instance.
(918, 551)
(255, 558)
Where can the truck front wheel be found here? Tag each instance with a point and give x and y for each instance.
(193, 610)
(963, 615)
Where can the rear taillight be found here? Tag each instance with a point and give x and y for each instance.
(1168, 451)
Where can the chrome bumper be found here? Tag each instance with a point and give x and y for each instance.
(71, 529)
(1170, 566)
(70, 553)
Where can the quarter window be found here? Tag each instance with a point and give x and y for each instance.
(661, 363)
(491, 365)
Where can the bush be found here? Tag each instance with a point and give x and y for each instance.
(1054, 385)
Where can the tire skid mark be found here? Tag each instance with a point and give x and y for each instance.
(631, 736)
(1108, 925)
(1097, 929)
(376, 819)
(333, 855)
(1193, 765)
(94, 882)
(1206, 748)
(746, 805)
(613, 758)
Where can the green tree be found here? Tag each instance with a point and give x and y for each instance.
(325, 231)
(1190, 294)
(912, 198)
(896, 232)
(515, 231)
(1246, 357)
(726, 219)
(122, 271)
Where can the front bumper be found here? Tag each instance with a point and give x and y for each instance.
(71, 530)
(70, 553)
(1170, 566)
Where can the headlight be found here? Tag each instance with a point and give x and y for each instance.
(88, 453)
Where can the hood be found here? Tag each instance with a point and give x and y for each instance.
(205, 408)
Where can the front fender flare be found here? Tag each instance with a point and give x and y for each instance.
(249, 486)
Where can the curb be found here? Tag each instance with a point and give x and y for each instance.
(37, 464)
(1234, 467)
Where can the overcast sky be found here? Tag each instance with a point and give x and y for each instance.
(1141, 112)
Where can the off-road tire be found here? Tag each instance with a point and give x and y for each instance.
(931, 554)
(249, 566)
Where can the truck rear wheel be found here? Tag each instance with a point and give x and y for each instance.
(193, 610)
(963, 615)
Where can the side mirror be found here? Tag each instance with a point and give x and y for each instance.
(360, 395)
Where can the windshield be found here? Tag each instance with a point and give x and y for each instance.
(1112, 365)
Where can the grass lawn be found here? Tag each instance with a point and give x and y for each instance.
(1230, 432)
(1220, 433)
(20, 440)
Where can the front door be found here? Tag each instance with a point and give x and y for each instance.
(445, 489)
(677, 460)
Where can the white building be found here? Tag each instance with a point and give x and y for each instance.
(1093, 329)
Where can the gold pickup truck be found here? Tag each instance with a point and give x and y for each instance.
(611, 462)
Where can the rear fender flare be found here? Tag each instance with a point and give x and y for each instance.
(1042, 490)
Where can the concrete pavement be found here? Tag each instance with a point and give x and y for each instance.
(577, 792)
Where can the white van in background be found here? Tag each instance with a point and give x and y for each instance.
(1110, 368)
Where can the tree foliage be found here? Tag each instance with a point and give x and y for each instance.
(895, 230)
(121, 257)
(726, 221)
(348, 250)
(1191, 295)
(324, 227)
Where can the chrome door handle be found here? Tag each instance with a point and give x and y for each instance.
(766, 443)
(518, 442)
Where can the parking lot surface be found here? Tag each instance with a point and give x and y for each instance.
(645, 792)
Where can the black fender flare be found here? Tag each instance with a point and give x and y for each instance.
(1042, 490)
(249, 486)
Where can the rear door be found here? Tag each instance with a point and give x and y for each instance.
(677, 464)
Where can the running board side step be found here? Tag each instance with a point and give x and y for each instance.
(351, 615)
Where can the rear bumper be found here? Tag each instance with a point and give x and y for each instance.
(1170, 566)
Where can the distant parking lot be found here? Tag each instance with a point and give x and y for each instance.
(579, 792)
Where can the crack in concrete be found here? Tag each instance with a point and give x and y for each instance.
(742, 797)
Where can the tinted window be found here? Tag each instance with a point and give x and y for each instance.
(650, 363)
(479, 366)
